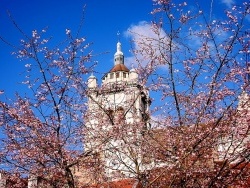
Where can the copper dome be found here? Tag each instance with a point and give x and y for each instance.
(119, 67)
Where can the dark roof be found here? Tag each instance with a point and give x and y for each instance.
(119, 67)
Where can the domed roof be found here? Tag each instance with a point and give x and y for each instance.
(119, 67)
(119, 49)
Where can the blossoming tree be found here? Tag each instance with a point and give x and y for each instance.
(42, 132)
(199, 68)
(196, 66)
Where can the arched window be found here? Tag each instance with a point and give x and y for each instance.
(117, 74)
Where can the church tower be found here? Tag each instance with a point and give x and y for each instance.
(118, 112)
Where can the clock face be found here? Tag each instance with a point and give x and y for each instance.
(114, 163)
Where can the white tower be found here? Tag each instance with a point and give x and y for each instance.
(118, 112)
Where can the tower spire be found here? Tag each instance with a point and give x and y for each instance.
(118, 57)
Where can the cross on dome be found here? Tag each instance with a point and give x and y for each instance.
(118, 36)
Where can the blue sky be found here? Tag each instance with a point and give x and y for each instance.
(103, 19)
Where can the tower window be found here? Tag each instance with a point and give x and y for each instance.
(124, 75)
(111, 75)
(117, 75)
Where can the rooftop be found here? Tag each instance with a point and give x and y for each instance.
(119, 67)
